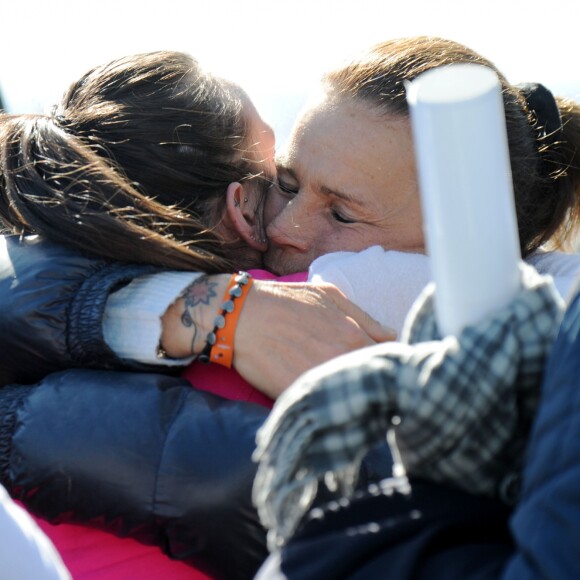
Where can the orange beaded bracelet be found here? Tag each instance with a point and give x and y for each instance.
(220, 342)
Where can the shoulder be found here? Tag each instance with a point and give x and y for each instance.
(35, 251)
(374, 267)
(563, 267)
(555, 262)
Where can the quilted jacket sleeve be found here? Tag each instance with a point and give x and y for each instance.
(51, 307)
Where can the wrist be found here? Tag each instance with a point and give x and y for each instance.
(189, 320)
(219, 347)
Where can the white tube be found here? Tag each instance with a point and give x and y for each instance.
(458, 124)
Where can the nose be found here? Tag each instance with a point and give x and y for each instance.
(290, 227)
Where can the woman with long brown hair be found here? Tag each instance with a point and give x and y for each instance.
(149, 163)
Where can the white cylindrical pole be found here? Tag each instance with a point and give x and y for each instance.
(459, 130)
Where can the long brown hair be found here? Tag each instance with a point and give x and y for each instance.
(133, 164)
(546, 172)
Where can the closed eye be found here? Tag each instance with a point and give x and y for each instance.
(337, 216)
(286, 187)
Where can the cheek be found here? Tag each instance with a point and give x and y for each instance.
(342, 240)
(301, 224)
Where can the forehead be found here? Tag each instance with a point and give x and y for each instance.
(347, 145)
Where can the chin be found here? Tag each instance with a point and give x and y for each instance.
(272, 264)
(282, 264)
(247, 259)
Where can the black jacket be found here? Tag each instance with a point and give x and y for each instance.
(135, 453)
(51, 308)
(126, 449)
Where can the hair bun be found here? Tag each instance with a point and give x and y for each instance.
(542, 104)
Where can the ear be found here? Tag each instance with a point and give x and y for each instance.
(242, 216)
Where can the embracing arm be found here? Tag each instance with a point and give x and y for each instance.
(53, 302)
(283, 330)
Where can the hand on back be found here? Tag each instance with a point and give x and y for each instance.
(286, 329)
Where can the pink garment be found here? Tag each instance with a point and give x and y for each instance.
(227, 383)
(91, 554)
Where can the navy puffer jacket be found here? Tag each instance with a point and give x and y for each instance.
(136, 453)
(51, 307)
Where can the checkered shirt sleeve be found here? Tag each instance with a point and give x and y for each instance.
(460, 407)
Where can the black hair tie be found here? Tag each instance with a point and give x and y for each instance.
(541, 102)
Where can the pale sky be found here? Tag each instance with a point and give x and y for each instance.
(275, 49)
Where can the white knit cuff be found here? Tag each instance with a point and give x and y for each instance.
(132, 318)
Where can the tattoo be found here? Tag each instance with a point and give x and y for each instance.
(200, 291)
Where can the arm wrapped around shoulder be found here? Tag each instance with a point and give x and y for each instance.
(143, 455)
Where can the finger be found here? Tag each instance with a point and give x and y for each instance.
(377, 331)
